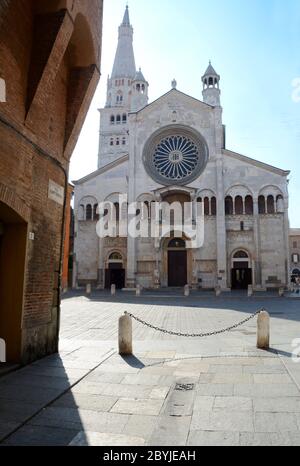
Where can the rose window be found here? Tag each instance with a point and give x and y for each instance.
(176, 157)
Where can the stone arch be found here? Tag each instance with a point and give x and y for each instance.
(239, 190)
(86, 208)
(241, 265)
(81, 50)
(9, 197)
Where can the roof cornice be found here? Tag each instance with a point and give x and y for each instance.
(257, 163)
(102, 170)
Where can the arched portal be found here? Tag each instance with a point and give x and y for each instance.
(177, 263)
(13, 240)
(241, 273)
(115, 272)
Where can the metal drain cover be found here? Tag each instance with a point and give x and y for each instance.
(184, 387)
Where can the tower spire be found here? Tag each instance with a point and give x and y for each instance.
(126, 21)
(124, 65)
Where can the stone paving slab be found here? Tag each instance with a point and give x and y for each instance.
(89, 395)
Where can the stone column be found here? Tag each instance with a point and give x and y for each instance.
(256, 231)
(286, 226)
(101, 265)
(131, 242)
(221, 228)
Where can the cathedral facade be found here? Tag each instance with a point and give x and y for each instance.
(174, 150)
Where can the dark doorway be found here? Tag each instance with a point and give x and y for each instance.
(13, 241)
(241, 278)
(177, 268)
(115, 275)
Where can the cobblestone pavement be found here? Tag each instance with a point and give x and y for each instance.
(174, 391)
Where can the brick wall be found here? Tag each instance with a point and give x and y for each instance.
(48, 94)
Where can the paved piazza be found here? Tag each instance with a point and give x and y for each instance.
(219, 390)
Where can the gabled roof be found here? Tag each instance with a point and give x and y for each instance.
(169, 93)
(102, 170)
(257, 163)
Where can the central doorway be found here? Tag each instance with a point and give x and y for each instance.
(115, 274)
(241, 273)
(177, 263)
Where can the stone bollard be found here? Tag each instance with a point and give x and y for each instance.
(88, 289)
(138, 290)
(263, 330)
(281, 292)
(113, 290)
(250, 291)
(218, 291)
(125, 335)
(186, 291)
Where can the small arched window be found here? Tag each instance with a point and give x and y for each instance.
(279, 204)
(206, 206)
(124, 141)
(271, 205)
(249, 205)
(117, 211)
(111, 141)
(95, 212)
(112, 120)
(118, 119)
(124, 118)
(228, 205)
(213, 206)
(239, 205)
(261, 205)
(117, 141)
(89, 212)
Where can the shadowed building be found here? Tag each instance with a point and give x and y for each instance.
(50, 61)
(295, 253)
(174, 150)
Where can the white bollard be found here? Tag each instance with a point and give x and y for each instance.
(113, 290)
(218, 291)
(281, 292)
(250, 291)
(263, 330)
(186, 291)
(138, 290)
(88, 289)
(125, 335)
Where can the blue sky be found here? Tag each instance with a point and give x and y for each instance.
(254, 46)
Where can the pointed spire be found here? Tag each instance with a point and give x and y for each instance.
(210, 71)
(124, 65)
(126, 21)
(139, 76)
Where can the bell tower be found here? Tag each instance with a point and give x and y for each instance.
(211, 87)
(127, 90)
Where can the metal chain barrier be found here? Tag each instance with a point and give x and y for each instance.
(194, 335)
